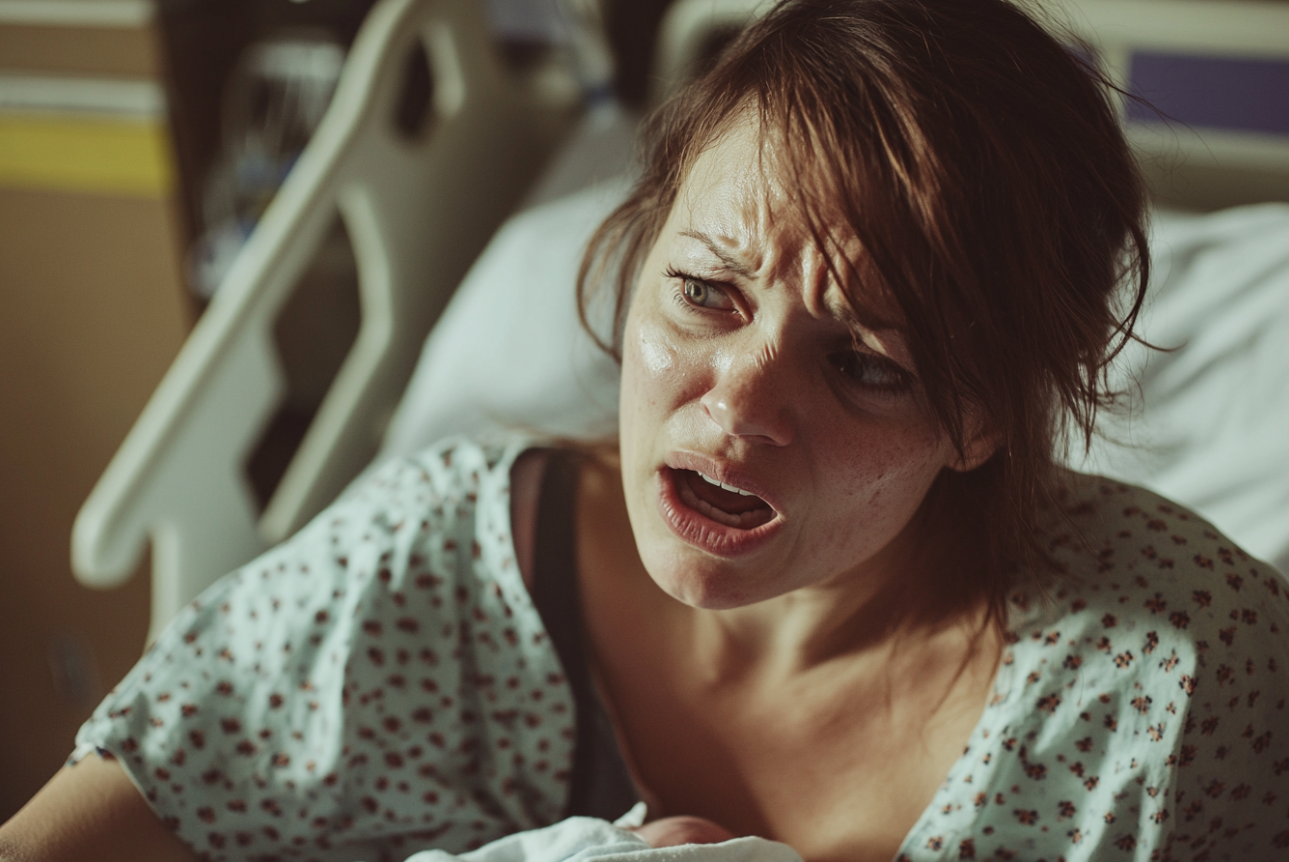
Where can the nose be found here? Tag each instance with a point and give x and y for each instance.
(750, 399)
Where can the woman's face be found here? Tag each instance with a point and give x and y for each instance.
(742, 366)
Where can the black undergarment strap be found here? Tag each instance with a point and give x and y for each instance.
(600, 785)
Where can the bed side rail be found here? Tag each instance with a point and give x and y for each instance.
(417, 210)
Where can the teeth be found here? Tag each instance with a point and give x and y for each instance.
(709, 480)
(745, 521)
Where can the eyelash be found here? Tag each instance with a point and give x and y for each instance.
(902, 382)
(685, 279)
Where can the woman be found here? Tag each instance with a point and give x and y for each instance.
(830, 588)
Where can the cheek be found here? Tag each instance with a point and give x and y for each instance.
(655, 371)
(900, 463)
(656, 353)
(651, 375)
(892, 468)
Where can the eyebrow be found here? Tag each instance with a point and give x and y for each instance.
(731, 263)
(863, 322)
(845, 314)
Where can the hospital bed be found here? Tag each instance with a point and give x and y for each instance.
(522, 151)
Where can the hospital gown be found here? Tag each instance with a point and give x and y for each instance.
(382, 684)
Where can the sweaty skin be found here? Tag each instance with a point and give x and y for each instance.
(738, 350)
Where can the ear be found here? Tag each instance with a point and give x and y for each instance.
(979, 448)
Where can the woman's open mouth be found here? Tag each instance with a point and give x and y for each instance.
(725, 504)
(717, 517)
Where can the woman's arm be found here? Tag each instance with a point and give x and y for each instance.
(89, 811)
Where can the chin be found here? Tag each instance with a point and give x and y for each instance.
(694, 559)
(706, 584)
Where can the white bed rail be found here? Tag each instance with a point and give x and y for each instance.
(417, 211)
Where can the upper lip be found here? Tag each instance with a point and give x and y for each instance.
(714, 469)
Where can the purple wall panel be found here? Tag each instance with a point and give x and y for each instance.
(1212, 92)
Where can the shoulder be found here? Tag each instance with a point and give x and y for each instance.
(439, 519)
(1149, 591)
(448, 504)
(1131, 559)
(456, 469)
(1149, 682)
(368, 660)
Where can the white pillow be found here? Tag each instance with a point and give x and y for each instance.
(1210, 424)
(508, 352)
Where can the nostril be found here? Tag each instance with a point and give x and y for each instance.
(719, 411)
(748, 418)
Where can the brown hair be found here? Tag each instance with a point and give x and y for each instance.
(982, 168)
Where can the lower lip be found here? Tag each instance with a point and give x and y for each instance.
(700, 531)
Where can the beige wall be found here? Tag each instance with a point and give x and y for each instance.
(91, 313)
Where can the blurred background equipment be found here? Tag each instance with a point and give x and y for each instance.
(273, 101)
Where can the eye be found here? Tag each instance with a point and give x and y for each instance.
(870, 371)
(702, 294)
(705, 295)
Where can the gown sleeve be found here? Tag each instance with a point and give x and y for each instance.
(377, 685)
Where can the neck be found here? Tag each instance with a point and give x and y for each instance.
(811, 627)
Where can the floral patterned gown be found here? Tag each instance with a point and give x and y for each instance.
(382, 683)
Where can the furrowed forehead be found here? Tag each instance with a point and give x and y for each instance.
(830, 193)
(857, 295)
(809, 186)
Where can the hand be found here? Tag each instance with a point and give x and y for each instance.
(673, 831)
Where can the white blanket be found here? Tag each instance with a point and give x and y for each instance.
(582, 839)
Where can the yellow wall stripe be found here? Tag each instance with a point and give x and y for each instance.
(86, 154)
